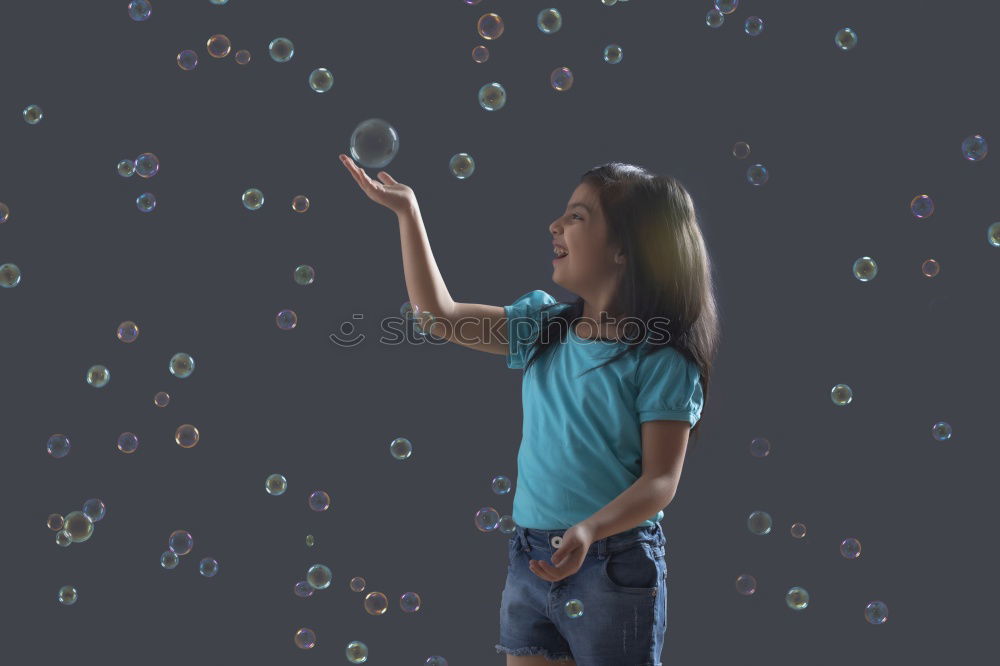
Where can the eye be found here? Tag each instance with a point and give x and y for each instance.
(575, 215)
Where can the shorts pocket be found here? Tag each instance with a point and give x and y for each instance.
(634, 569)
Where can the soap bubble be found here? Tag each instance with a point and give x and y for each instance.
(462, 165)
(128, 442)
(208, 567)
(10, 275)
(974, 148)
(561, 78)
(275, 484)
(242, 57)
(181, 365)
(146, 202)
(374, 143)
(319, 500)
(492, 96)
(67, 595)
(300, 203)
(281, 49)
(490, 26)
(180, 542)
(287, 320)
(305, 638)
(321, 80)
(845, 39)
(32, 114)
(186, 436)
(169, 559)
(78, 525)
(480, 53)
(304, 274)
(98, 376)
(58, 446)
(126, 168)
(218, 46)
(253, 199)
(612, 54)
(140, 10)
(94, 508)
(161, 399)
(147, 165)
(187, 60)
(127, 331)
(319, 576)
(549, 20)
(753, 26)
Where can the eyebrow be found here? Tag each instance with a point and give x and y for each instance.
(581, 204)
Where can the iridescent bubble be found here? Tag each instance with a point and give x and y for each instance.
(187, 60)
(573, 608)
(609, 3)
(760, 447)
(374, 143)
(797, 598)
(500, 484)
(841, 394)
(4, 212)
(310, 540)
(462, 165)
(145, 202)
(922, 206)
(287, 320)
(753, 26)
(487, 519)
(208, 567)
(845, 39)
(746, 584)
(489, 26)
(128, 442)
(300, 203)
(757, 174)
(94, 508)
(219, 2)
(304, 274)
(253, 199)
(319, 576)
(126, 168)
(218, 46)
(864, 269)
(375, 603)
(180, 542)
(876, 612)
(181, 365)
(357, 584)
(472, 2)
(850, 548)
(78, 525)
(169, 559)
(727, 6)
(186, 436)
(58, 446)
(941, 431)
(10, 275)
(319, 500)
(561, 78)
(63, 538)
(242, 57)
(140, 10)
(549, 20)
(147, 165)
(305, 638)
(974, 148)
(67, 595)
(798, 530)
(613, 54)
(480, 54)
(993, 234)
(55, 522)
(161, 399)
(303, 589)
(32, 114)
(127, 331)
(401, 448)
(98, 376)
(409, 602)
(321, 80)
(741, 150)
(930, 268)
(492, 96)
(356, 652)
(275, 484)
(281, 49)
(759, 523)
(506, 525)
(714, 18)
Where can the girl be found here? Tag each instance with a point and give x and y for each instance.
(603, 444)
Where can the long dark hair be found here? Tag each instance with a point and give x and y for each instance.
(667, 274)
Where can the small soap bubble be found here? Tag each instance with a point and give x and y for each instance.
(300, 203)
(841, 394)
(759, 523)
(140, 10)
(127, 331)
(63, 538)
(357, 584)
(797, 598)
(305, 638)
(319, 500)
(218, 46)
(356, 652)
(253, 199)
(187, 60)
(98, 376)
(864, 269)
(492, 96)
(319, 576)
(845, 39)
(208, 567)
(941, 431)
(67, 595)
(714, 18)
(10, 275)
(850, 548)
(58, 445)
(94, 509)
(753, 26)
(760, 447)
(549, 21)
(506, 525)
(609, 3)
(186, 436)
(146, 202)
(321, 80)
(161, 399)
(741, 150)
(798, 530)
(128, 442)
(573, 608)
(490, 26)
(401, 448)
(480, 54)
(993, 234)
(375, 603)
(180, 542)
(922, 206)
(930, 268)
(876, 612)
(561, 79)
(436, 660)
(409, 602)
(287, 320)
(275, 484)
(169, 559)
(501, 484)
(462, 165)
(32, 114)
(242, 57)
(181, 365)
(4, 212)
(55, 522)
(746, 584)
(974, 148)
(147, 165)
(310, 540)
(79, 526)
(281, 49)
(304, 274)
(757, 174)
(126, 168)
(727, 6)
(487, 519)
(374, 143)
(219, 2)
(613, 54)
(472, 2)
(303, 589)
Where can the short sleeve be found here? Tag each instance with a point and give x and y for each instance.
(524, 325)
(669, 388)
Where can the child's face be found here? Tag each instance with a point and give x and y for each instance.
(590, 265)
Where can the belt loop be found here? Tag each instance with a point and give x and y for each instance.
(523, 539)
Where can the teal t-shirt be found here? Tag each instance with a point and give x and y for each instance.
(581, 443)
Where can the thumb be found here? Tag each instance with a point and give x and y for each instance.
(386, 178)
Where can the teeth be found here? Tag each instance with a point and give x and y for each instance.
(560, 252)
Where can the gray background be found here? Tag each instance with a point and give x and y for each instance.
(849, 139)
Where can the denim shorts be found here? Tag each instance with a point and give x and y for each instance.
(621, 584)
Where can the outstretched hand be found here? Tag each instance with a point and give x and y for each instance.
(569, 557)
(395, 196)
